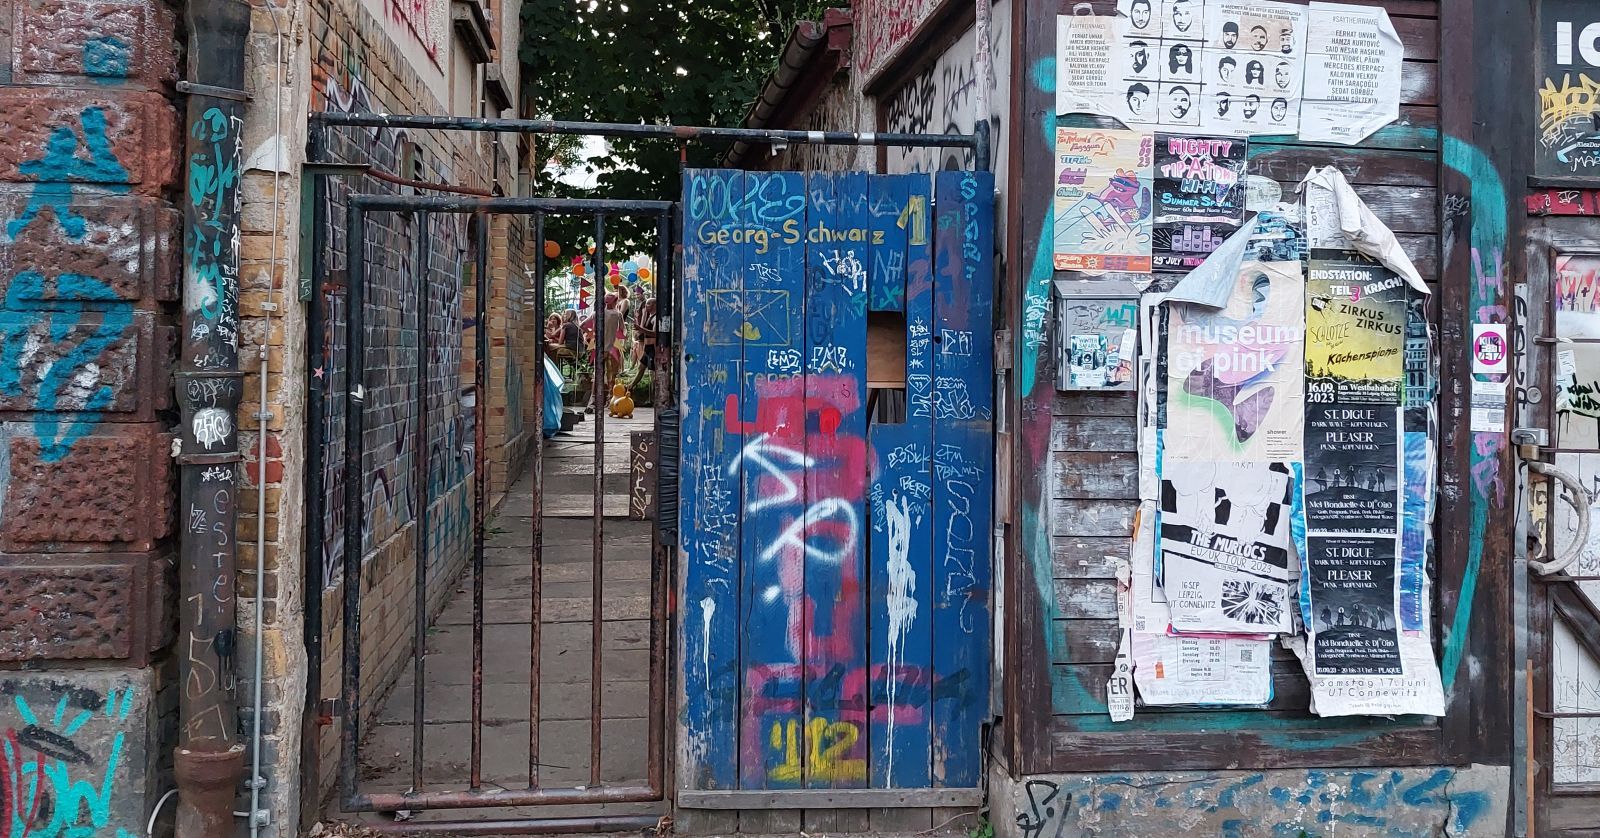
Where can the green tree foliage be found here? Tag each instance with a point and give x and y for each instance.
(679, 62)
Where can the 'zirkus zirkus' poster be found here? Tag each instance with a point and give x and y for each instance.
(1103, 201)
(1199, 197)
(1355, 330)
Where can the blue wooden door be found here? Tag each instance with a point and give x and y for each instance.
(836, 599)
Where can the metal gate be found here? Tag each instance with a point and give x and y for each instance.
(475, 789)
(384, 754)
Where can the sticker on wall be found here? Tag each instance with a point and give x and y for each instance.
(1353, 58)
(1261, 193)
(1103, 202)
(1490, 350)
(1488, 407)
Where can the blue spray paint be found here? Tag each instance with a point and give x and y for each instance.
(62, 165)
(106, 59)
(1488, 238)
(75, 793)
(76, 298)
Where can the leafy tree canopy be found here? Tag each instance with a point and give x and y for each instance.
(681, 62)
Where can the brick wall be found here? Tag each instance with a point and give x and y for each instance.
(357, 67)
(88, 262)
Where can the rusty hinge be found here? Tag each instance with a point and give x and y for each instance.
(1002, 350)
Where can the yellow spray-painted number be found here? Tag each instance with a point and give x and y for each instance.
(916, 214)
(827, 748)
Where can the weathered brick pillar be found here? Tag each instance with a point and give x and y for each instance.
(88, 255)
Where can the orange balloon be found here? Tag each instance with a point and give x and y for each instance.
(579, 269)
(551, 249)
(644, 273)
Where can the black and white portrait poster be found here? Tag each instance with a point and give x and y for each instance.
(1254, 62)
(1225, 542)
(1352, 471)
(1199, 183)
(1351, 581)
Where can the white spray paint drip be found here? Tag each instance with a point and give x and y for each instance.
(902, 601)
(708, 606)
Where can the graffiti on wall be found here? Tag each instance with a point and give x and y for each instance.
(65, 756)
(837, 589)
(885, 27)
(1391, 802)
(67, 339)
(1569, 92)
(394, 304)
(942, 99)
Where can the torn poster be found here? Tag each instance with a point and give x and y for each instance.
(1353, 57)
(1199, 197)
(1337, 219)
(1202, 670)
(1353, 468)
(1224, 537)
(1119, 687)
(1235, 376)
(1355, 330)
(1417, 690)
(1103, 205)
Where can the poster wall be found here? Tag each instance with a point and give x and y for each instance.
(1233, 67)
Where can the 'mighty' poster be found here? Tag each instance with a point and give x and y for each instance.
(1199, 197)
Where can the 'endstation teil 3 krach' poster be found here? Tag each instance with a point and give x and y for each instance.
(1568, 94)
(1355, 330)
(1199, 197)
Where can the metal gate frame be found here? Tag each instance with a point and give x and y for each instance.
(319, 712)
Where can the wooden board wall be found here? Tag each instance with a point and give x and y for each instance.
(1090, 490)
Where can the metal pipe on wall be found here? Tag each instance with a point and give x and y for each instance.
(209, 761)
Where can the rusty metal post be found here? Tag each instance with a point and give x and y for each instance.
(536, 556)
(209, 761)
(602, 341)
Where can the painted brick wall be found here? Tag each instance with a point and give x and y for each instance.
(88, 257)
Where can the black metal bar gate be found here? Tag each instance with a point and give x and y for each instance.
(350, 711)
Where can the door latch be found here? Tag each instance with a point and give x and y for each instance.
(1529, 441)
